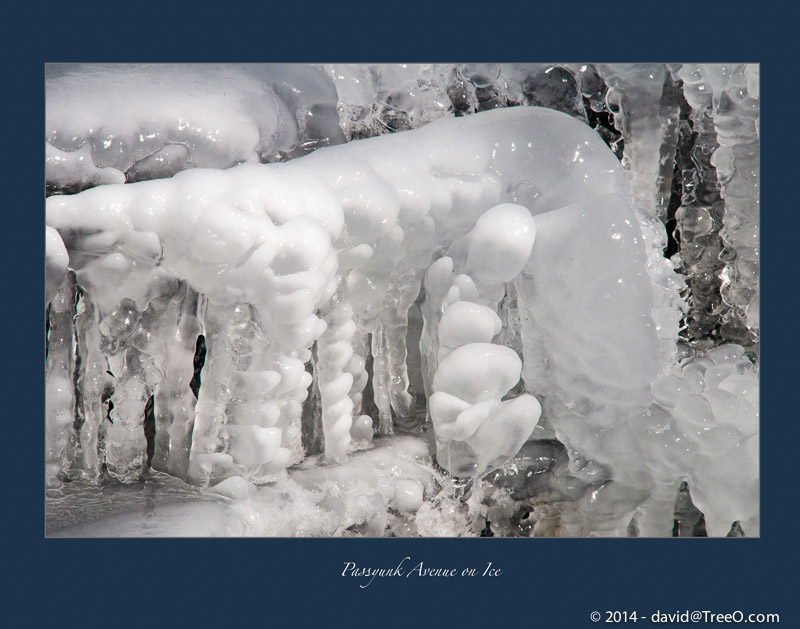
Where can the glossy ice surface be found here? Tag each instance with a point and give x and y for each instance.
(483, 282)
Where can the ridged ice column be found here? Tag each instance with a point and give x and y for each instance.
(438, 280)
(91, 384)
(207, 461)
(649, 124)
(736, 119)
(249, 412)
(647, 101)
(174, 401)
(135, 359)
(390, 381)
(60, 368)
(477, 430)
(341, 378)
(725, 104)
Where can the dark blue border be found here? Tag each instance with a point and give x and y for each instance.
(230, 583)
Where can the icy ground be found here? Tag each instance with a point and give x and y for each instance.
(402, 300)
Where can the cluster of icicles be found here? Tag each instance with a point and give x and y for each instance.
(538, 276)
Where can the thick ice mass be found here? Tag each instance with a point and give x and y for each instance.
(240, 299)
(157, 120)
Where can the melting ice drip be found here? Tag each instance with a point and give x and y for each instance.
(519, 228)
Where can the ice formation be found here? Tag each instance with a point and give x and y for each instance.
(112, 124)
(405, 300)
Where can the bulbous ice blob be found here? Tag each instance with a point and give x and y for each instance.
(501, 436)
(302, 246)
(668, 389)
(694, 409)
(279, 461)
(725, 406)
(407, 496)
(478, 372)
(257, 382)
(253, 445)
(715, 374)
(743, 386)
(301, 334)
(207, 467)
(464, 322)
(410, 185)
(467, 291)
(361, 430)
(370, 207)
(337, 388)
(145, 246)
(265, 414)
(235, 488)
(291, 371)
(463, 289)
(500, 244)
(467, 420)
(355, 256)
(446, 408)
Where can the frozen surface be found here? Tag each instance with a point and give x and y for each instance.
(236, 302)
(115, 123)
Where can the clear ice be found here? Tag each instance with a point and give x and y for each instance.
(403, 300)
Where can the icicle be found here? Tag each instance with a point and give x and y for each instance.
(404, 294)
(478, 428)
(395, 403)
(134, 376)
(207, 461)
(645, 120)
(91, 384)
(60, 367)
(699, 219)
(736, 115)
(335, 353)
(437, 282)
(249, 413)
(174, 400)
